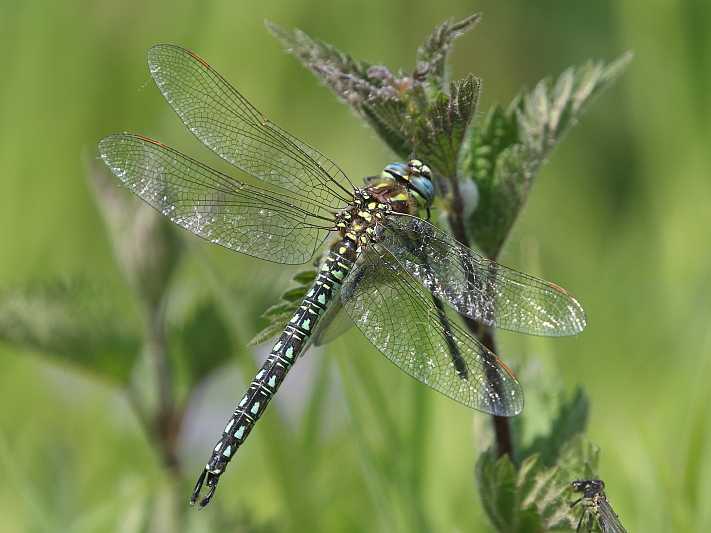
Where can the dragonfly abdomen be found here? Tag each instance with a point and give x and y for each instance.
(289, 346)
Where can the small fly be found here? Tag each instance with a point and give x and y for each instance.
(596, 509)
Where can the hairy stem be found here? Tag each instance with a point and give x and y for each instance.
(455, 217)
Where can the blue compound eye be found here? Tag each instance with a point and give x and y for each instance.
(423, 187)
(395, 171)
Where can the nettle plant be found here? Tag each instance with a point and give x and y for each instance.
(484, 165)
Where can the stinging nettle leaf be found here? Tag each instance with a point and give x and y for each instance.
(205, 341)
(505, 151)
(72, 322)
(533, 497)
(431, 61)
(500, 489)
(305, 277)
(570, 421)
(412, 113)
(438, 136)
(279, 314)
(295, 295)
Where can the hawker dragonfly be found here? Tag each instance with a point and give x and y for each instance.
(387, 268)
(596, 508)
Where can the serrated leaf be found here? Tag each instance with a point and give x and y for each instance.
(579, 458)
(412, 113)
(74, 323)
(437, 137)
(278, 315)
(386, 116)
(305, 277)
(274, 327)
(431, 64)
(534, 496)
(501, 495)
(339, 70)
(571, 420)
(504, 152)
(279, 309)
(295, 295)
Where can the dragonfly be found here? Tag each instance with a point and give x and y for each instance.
(596, 507)
(387, 267)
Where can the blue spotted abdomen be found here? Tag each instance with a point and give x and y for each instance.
(287, 348)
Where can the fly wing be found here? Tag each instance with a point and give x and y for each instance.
(212, 205)
(400, 317)
(608, 519)
(226, 122)
(479, 287)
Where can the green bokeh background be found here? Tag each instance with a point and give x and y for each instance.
(620, 215)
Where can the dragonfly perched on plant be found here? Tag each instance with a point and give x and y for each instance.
(596, 508)
(389, 269)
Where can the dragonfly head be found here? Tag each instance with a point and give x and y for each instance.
(416, 176)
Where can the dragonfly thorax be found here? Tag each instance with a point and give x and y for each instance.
(357, 222)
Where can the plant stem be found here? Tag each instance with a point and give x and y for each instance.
(166, 421)
(455, 217)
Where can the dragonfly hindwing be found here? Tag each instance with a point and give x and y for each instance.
(399, 316)
(212, 205)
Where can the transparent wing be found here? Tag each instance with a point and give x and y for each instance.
(399, 316)
(334, 323)
(213, 205)
(479, 287)
(233, 128)
(608, 519)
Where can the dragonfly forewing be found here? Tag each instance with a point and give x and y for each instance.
(479, 287)
(226, 122)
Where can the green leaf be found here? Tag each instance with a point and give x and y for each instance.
(279, 309)
(73, 323)
(305, 277)
(296, 294)
(505, 151)
(205, 344)
(534, 497)
(278, 315)
(437, 136)
(387, 117)
(502, 491)
(338, 69)
(412, 113)
(373, 92)
(271, 330)
(571, 420)
(431, 65)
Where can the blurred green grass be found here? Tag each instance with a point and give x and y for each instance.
(620, 216)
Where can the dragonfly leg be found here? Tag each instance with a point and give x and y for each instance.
(580, 522)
